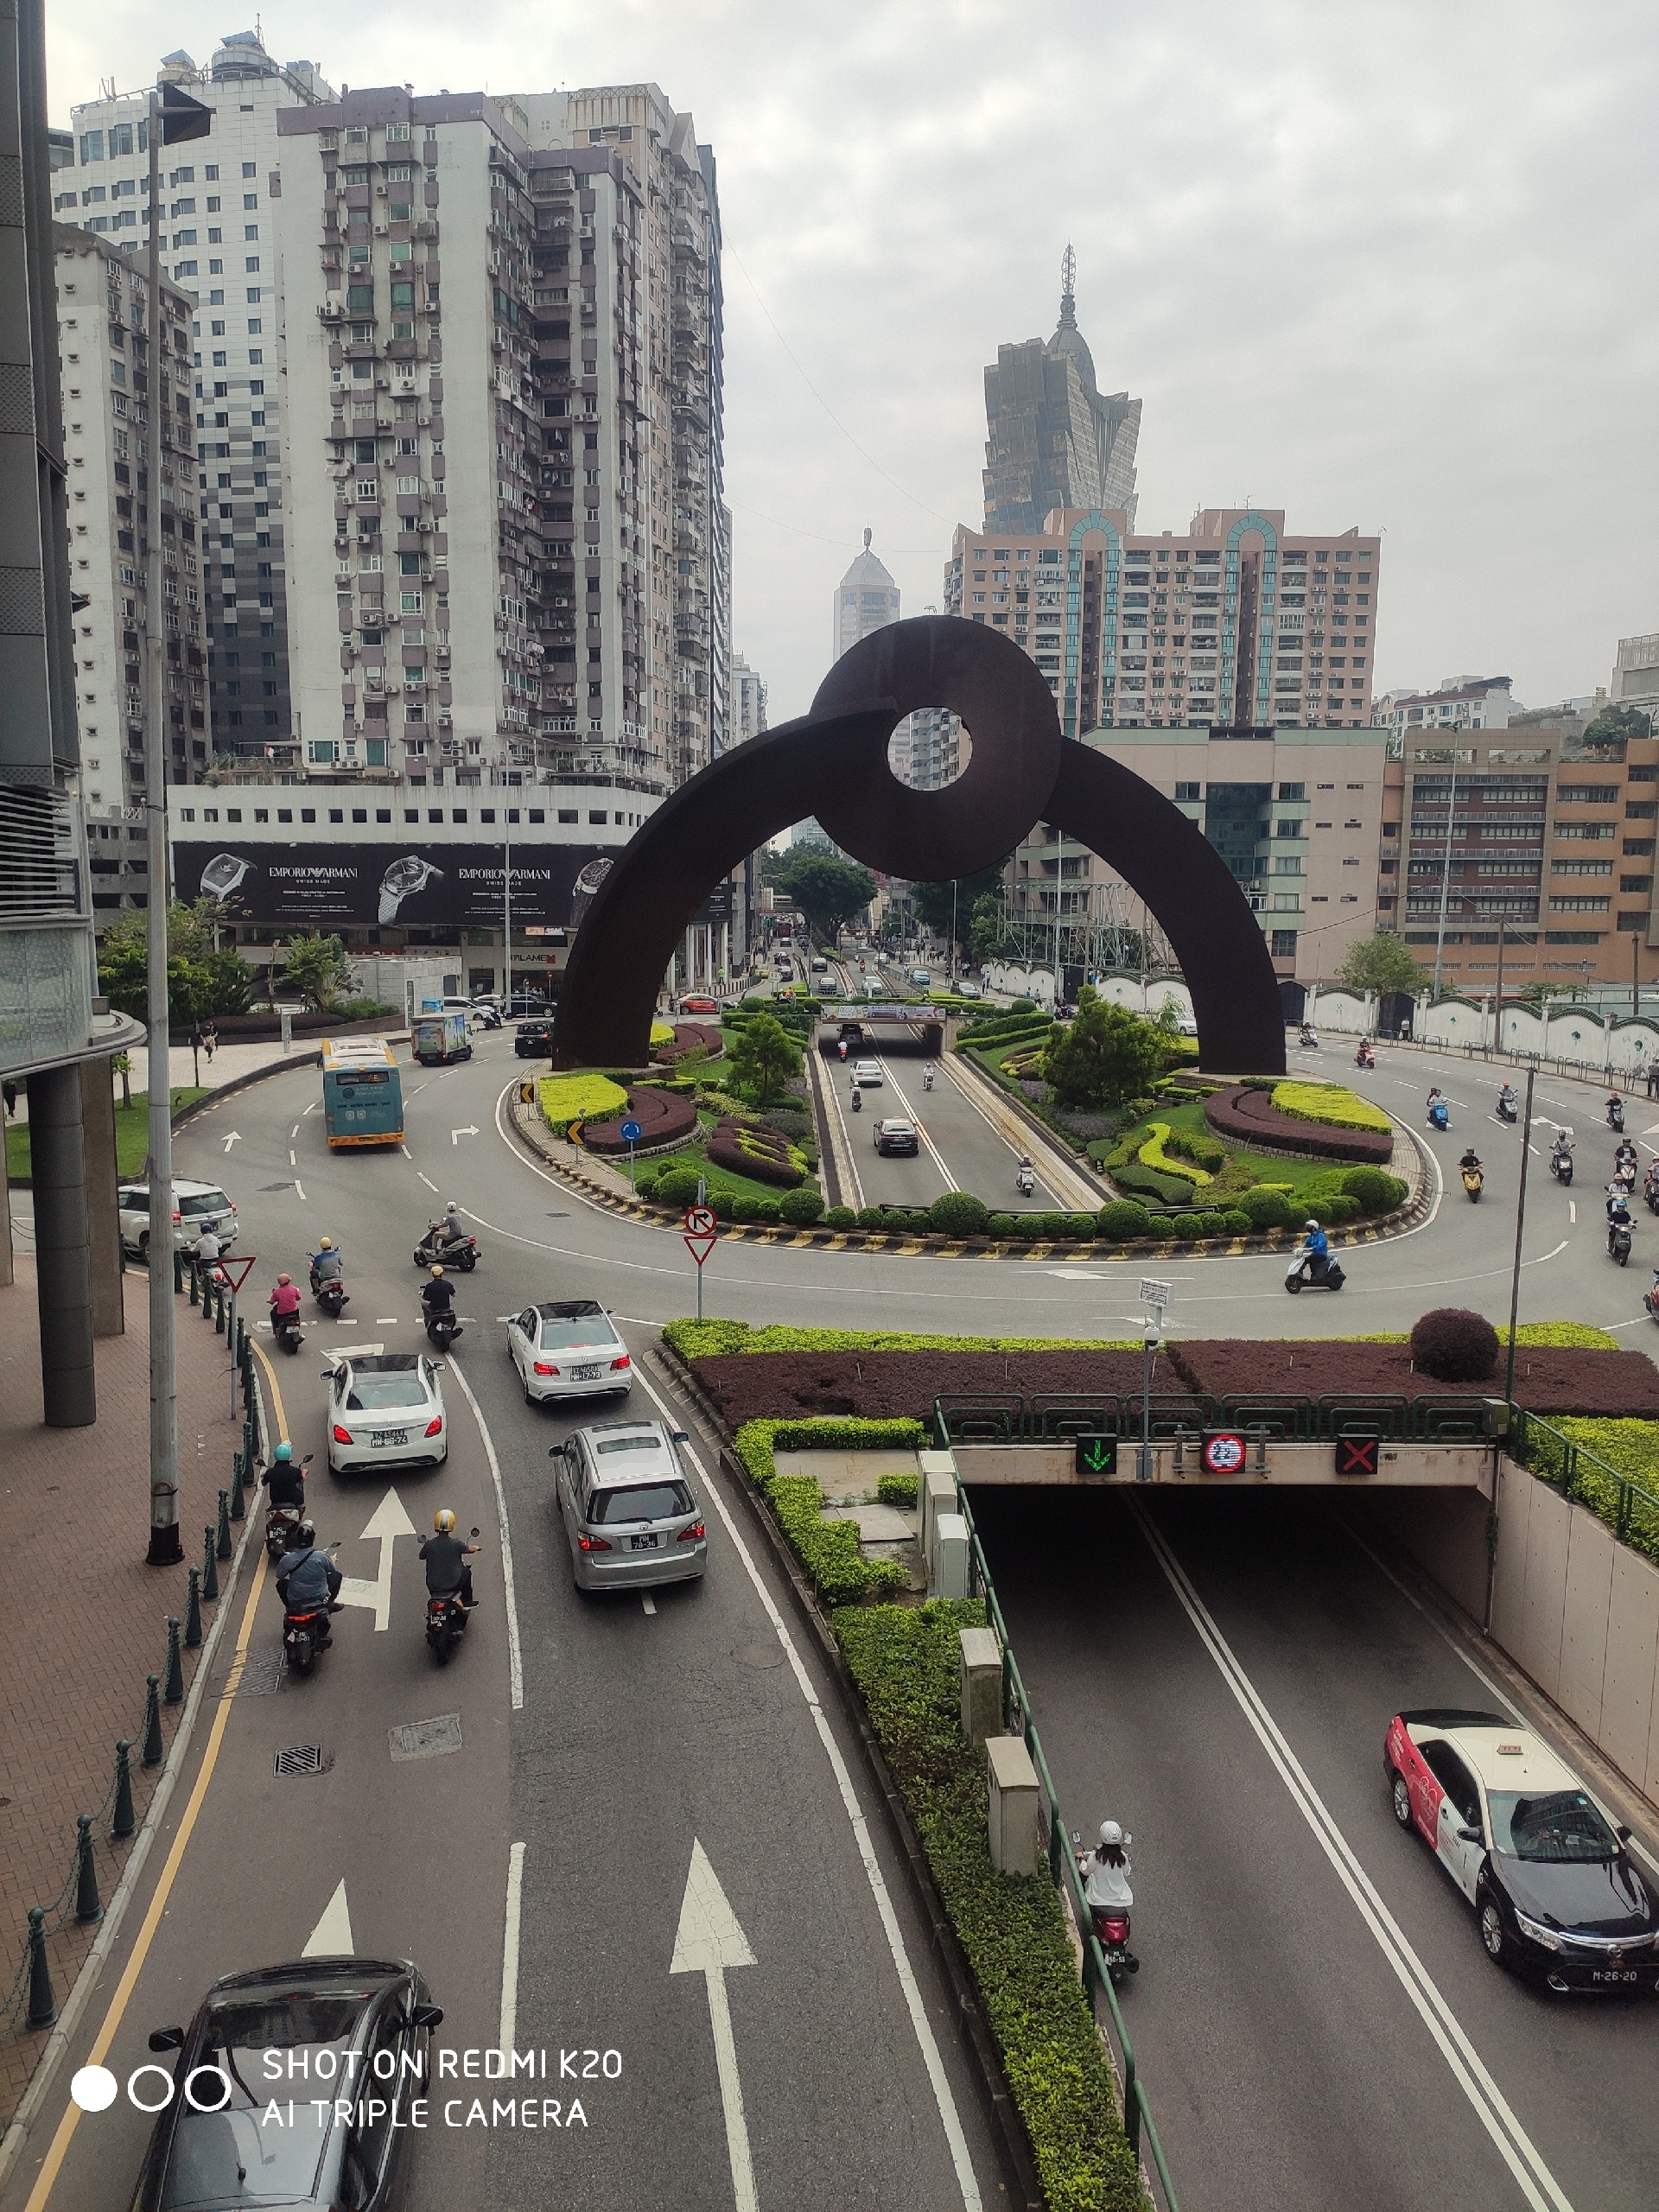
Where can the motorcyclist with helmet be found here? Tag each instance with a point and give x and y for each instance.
(326, 1264)
(1316, 1249)
(445, 1555)
(438, 1297)
(306, 1579)
(285, 1478)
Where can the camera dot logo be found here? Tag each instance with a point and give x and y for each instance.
(94, 2088)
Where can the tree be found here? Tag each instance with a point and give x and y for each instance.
(933, 903)
(1382, 964)
(319, 969)
(121, 1064)
(202, 978)
(828, 891)
(1104, 1056)
(1614, 724)
(987, 924)
(764, 1058)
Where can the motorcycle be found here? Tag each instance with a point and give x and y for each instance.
(1616, 1114)
(1561, 1167)
(1024, 1182)
(280, 1522)
(1302, 1275)
(446, 1620)
(1651, 1193)
(1440, 1117)
(443, 1329)
(1111, 1926)
(330, 1295)
(1309, 1040)
(1650, 1300)
(1506, 1111)
(1364, 1058)
(306, 1633)
(927, 1079)
(858, 1101)
(1473, 1182)
(1618, 1242)
(460, 1252)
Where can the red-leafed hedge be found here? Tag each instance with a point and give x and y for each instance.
(662, 1119)
(764, 1155)
(1246, 1117)
(688, 1036)
(778, 1385)
(1547, 1382)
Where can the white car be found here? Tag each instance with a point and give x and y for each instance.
(386, 1409)
(631, 1516)
(866, 1075)
(569, 1348)
(196, 1206)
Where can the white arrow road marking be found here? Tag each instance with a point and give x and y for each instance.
(235, 1137)
(388, 1523)
(709, 1942)
(332, 1937)
(510, 1948)
(456, 1135)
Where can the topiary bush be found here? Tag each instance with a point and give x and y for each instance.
(1266, 1208)
(1236, 1222)
(743, 1207)
(958, 1213)
(1002, 1225)
(1376, 1191)
(766, 1208)
(897, 1490)
(872, 1217)
(801, 1207)
(1334, 1212)
(840, 1218)
(1080, 1227)
(645, 1186)
(721, 1199)
(1204, 1225)
(1123, 1217)
(1455, 1346)
(678, 1188)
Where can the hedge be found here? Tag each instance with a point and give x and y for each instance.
(689, 1340)
(1153, 1154)
(1632, 1448)
(567, 1098)
(828, 1550)
(1244, 1115)
(764, 1155)
(1332, 1103)
(1014, 1930)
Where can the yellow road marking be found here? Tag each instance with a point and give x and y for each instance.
(112, 2018)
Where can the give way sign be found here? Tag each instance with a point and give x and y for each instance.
(701, 1232)
(226, 1267)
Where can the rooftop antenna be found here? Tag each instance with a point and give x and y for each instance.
(867, 538)
(1068, 289)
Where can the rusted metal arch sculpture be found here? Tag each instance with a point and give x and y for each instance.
(833, 764)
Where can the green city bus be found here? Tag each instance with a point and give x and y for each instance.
(362, 1092)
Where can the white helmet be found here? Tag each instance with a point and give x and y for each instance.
(1110, 1834)
(1310, 1222)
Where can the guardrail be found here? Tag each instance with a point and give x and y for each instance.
(1056, 1416)
(1545, 1451)
(1056, 1838)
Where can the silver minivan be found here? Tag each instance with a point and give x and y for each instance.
(631, 1516)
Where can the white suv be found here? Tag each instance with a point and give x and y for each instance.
(196, 1206)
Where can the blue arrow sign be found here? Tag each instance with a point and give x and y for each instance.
(631, 1132)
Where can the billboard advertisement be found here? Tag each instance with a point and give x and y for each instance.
(317, 886)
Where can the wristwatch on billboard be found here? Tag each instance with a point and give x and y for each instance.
(401, 881)
(582, 891)
(223, 874)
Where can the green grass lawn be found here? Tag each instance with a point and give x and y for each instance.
(744, 1186)
(131, 1135)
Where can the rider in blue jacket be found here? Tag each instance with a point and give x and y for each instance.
(1316, 1246)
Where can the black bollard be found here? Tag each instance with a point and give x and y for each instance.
(224, 1524)
(89, 1909)
(219, 1307)
(123, 1824)
(43, 2004)
(196, 1282)
(209, 1562)
(192, 1612)
(178, 1270)
(238, 1495)
(174, 1693)
(152, 1753)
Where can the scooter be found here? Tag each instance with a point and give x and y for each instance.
(330, 1295)
(1650, 1193)
(1024, 1182)
(285, 1327)
(1111, 1928)
(1618, 1242)
(858, 1101)
(460, 1252)
(1650, 1300)
(1561, 1167)
(1301, 1273)
(1505, 1110)
(927, 1078)
(305, 1631)
(446, 1620)
(1616, 1114)
(1364, 1058)
(1440, 1117)
(443, 1329)
(280, 1522)
(1309, 1040)
(1473, 1182)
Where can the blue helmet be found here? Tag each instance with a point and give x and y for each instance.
(284, 1451)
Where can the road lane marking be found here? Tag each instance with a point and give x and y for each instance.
(292, 1160)
(385, 1320)
(294, 1132)
(709, 1942)
(1537, 2184)
(311, 1109)
(648, 1603)
(332, 1937)
(949, 2117)
(389, 1521)
(407, 1153)
(297, 1187)
(515, 1655)
(915, 1120)
(1572, 1210)
(427, 1179)
(508, 2022)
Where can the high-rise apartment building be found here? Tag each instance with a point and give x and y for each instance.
(749, 700)
(1233, 624)
(116, 400)
(215, 221)
(1054, 439)
(504, 375)
(1458, 702)
(1635, 674)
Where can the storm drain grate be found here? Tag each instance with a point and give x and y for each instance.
(262, 1673)
(426, 1739)
(302, 1758)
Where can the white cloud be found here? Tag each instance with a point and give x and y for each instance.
(1390, 267)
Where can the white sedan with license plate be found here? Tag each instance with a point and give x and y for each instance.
(385, 1410)
(569, 1348)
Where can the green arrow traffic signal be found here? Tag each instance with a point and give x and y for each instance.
(1096, 1455)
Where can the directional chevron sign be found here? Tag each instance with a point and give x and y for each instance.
(1096, 1455)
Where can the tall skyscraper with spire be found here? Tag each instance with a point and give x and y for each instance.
(1054, 440)
(866, 599)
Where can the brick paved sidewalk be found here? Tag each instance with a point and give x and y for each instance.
(88, 1619)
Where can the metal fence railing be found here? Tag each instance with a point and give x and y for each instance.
(1057, 1840)
(1054, 1417)
(1630, 1510)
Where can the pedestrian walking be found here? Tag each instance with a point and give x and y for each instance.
(210, 1042)
(9, 1092)
(1653, 1078)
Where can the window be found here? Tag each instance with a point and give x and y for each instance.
(1282, 944)
(1293, 790)
(1187, 792)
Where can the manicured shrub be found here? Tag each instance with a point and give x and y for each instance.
(840, 1218)
(1153, 1154)
(1455, 1346)
(897, 1490)
(721, 1199)
(872, 1217)
(1331, 1102)
(567, 1098)
(678, 1188)
(1193, 1145)
(801, 1207)
(1001, 1225)
(764, 1155)
(1123, 1217)
(1203, 1224)
(1268, 1209)
(958, 1213)
(743, 1207)
(1080, 1227)
(766, 1208)
(645, 1186)
(1376, 1191)
(1333, 1212)
(1236, 1222)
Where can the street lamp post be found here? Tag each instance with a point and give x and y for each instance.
(1520, 1231)
(1150, 1343)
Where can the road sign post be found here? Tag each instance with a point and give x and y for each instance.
(701, 1230)
(632, 1134)
(1155, 1297)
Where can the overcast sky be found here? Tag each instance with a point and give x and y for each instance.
(1390, 266)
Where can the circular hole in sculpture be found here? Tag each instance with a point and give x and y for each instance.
(930, 749)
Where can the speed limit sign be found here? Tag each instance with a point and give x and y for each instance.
(699, 1221)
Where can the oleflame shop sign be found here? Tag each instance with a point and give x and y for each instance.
(320, 886)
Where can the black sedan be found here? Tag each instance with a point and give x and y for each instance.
(533, 1040)
(896, 1138)
(228, 2138)
(1556, 1893)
